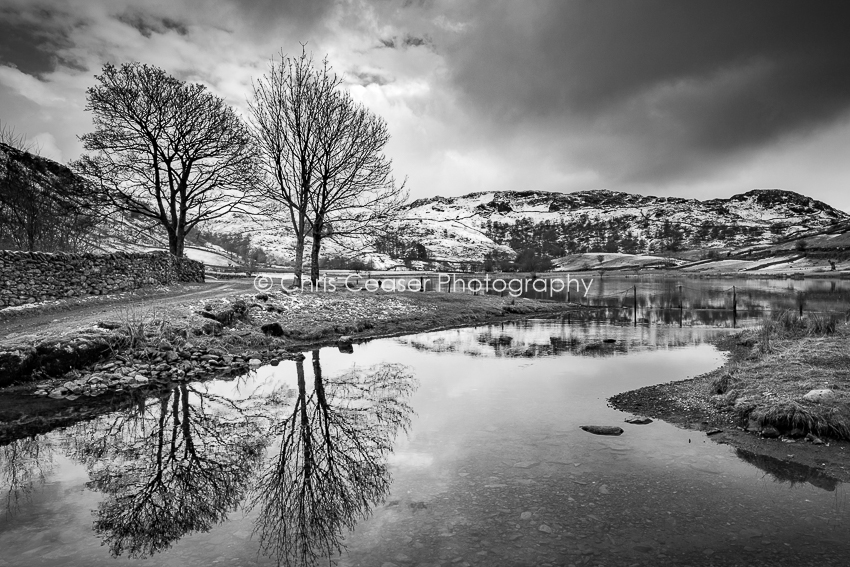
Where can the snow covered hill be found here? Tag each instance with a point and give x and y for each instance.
(467, 227)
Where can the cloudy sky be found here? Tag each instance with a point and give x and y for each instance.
(698, 98)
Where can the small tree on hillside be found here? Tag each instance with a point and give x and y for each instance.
(166, 150)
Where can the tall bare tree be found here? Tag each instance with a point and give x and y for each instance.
(286, 122)
(356, 195)
(166, 150)
(323, 157)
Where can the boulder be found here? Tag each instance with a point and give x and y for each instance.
(818, 396)
(344, 340)
(602, 429)
(272, 329)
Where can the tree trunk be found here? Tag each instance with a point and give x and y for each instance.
(175, 245)
(314, 257)
(299, 261)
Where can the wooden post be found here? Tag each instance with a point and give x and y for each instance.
(734, 307)
(635, 309)
(680, 306)
(801, 300)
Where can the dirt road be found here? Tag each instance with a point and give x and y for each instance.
(90, 310)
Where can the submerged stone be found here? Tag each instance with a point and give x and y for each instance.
(602, 429)
(638, 420)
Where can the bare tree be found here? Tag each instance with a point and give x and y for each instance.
(286, 123)
(356, 196)
(323, 159)
(166, 150)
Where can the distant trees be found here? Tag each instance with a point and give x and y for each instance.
(394, 245)
(165, 150)
(40, 201)
(322, 156)
(497, 260)
(529, 261)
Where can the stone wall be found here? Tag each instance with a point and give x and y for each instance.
(30, 277)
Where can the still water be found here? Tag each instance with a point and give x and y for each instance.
(459, 447)
(660, 299)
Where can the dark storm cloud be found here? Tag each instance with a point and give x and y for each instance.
(265, 15)
(30, 45)
(406, 41)
(147, 25)
(717, 75)
(365, 78)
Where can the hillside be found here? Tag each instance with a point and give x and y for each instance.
(584, 230)
(606, 221)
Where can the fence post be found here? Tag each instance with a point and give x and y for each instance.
(681, 301)
(635, 308)
(734, 306)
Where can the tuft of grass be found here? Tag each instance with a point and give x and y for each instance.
(822, 420)
(788, 325)
(139, 329)
(723, 384)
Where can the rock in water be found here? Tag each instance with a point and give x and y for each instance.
(602, 429)
(638, 420)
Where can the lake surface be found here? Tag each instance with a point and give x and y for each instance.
(661, 299)
(459, 447)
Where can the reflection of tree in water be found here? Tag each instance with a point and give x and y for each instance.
(331, 465)
(23, 465)
(176, 466)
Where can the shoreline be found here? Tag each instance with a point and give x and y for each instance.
(109, 363)
(754, 428)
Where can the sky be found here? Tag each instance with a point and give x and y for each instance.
(698, 98)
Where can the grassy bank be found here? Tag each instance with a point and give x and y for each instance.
(785, 382)
(794, 380)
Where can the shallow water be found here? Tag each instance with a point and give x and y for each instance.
(492, 469)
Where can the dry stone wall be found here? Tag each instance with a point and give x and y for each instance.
(31, 277)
